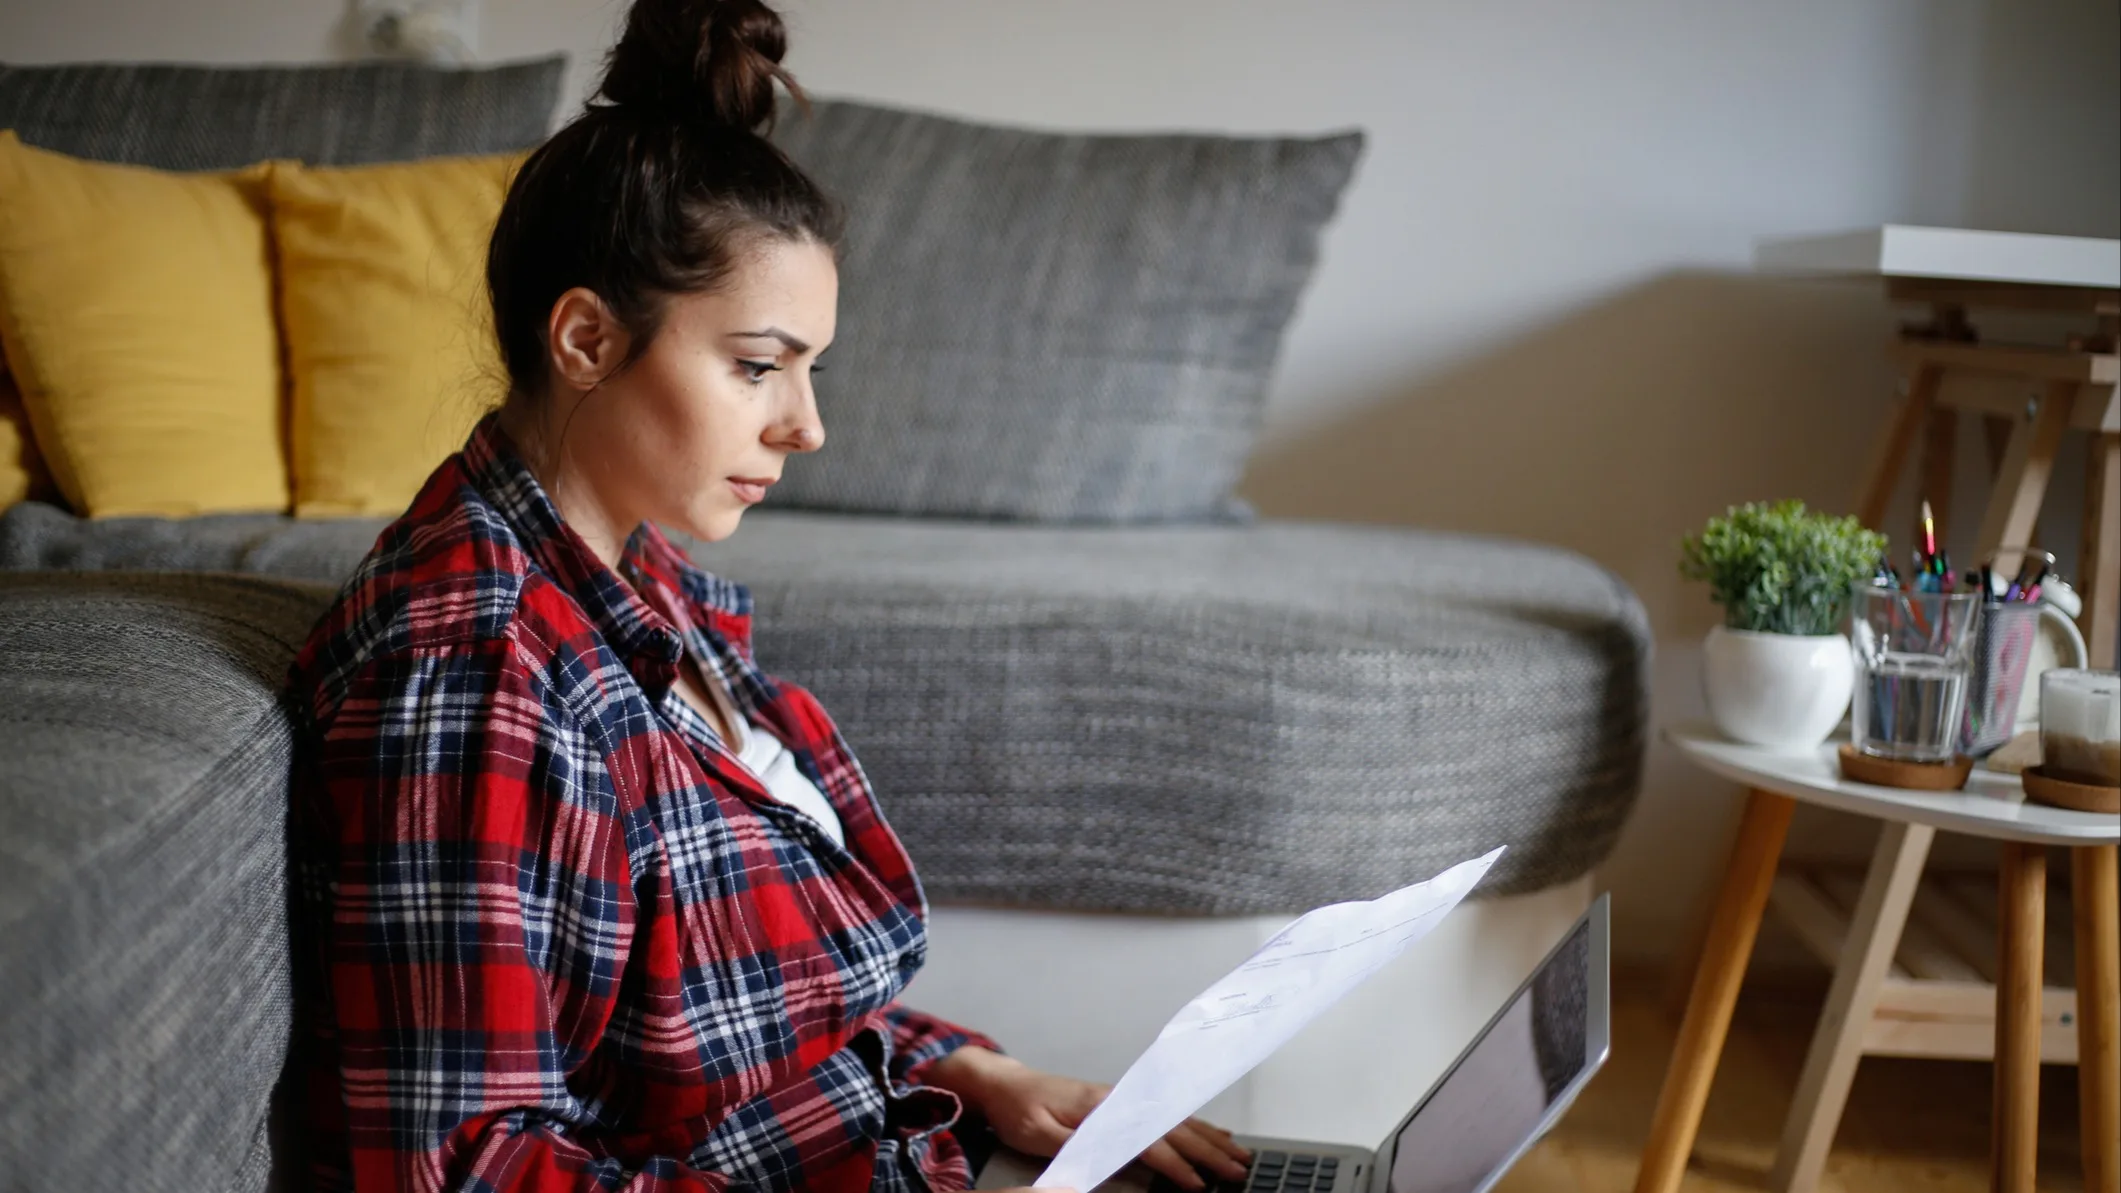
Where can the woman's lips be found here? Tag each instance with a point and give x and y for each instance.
(750, 492)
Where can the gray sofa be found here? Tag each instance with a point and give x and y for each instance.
(1167, 707)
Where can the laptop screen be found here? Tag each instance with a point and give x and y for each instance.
(1487, 1108)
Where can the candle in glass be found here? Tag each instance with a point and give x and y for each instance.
(2080, 726)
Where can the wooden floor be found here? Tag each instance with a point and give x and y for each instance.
(1916, 1125)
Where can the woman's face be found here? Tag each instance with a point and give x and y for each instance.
(693, 431)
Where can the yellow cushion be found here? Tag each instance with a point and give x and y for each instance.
(136, 312)
(22, 474)
(389, 335)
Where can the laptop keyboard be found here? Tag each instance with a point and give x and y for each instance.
(1275, 1172)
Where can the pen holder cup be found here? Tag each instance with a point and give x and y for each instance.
(1995, 679)
(1913, 654)
(2006, 645)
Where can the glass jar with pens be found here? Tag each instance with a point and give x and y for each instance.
(1941, 673)
(1912, 651)
(1912, 641)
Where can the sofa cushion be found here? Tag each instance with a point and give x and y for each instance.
(40, 536)
(144, 989)
(1051, 326)
(1206, 718)
(136, 307)
(23, 475)
(226, 117)
(1217, 719)
(389, 335)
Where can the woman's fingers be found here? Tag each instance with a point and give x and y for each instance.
(1164, 1158)
(1222, 1139)
(1205, 1152)
(1187, 1152)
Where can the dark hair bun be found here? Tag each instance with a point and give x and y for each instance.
(700, 62)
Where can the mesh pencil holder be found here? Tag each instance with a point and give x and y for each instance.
(2003, 645)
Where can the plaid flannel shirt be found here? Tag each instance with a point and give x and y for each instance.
(553, 934)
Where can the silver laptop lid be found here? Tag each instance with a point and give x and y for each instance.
(1515, 1079)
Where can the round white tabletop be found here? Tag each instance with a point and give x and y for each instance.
(1992, 805)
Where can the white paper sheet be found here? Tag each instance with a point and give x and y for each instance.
(1254, 1009)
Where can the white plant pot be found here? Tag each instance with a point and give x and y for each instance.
(1782, 691)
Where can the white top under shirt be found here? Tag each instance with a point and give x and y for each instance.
(775, 767)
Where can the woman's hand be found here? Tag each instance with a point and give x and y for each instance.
(1036, 1112)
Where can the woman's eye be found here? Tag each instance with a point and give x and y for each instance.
(756, 370)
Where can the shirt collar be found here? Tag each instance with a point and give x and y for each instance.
(630, 625)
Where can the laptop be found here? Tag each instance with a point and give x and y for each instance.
(1505, 1091)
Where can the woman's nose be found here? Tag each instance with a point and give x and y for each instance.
(805, 432)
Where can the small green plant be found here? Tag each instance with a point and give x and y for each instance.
(1778, 569)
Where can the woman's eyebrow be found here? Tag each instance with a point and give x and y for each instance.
(772, 333)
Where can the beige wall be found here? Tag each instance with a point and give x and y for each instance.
(1534, 316)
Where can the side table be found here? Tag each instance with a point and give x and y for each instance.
(1992, 806)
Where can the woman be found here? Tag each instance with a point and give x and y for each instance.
(589, 901)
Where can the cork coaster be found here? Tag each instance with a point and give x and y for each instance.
(2062, 793)
(1912, 776)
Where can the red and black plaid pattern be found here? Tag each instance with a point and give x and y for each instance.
(553, 935)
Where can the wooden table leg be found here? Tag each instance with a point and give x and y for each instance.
(1732, 927)
(1837, 1043)
(2095, 889)
(2021, 932)
(2099, 562)
(1895, 442)
(2021, 485)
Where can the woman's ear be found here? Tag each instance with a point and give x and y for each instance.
(584, 341)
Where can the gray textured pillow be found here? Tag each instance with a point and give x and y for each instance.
(223, 117)
(1056, 327)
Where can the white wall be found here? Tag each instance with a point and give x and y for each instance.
(1534, 315)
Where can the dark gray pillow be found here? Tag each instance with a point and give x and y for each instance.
(223, 117)
(1055, 327)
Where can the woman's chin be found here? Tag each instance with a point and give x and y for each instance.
(714, 525)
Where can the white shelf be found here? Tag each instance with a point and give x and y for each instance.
(1903, 251)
